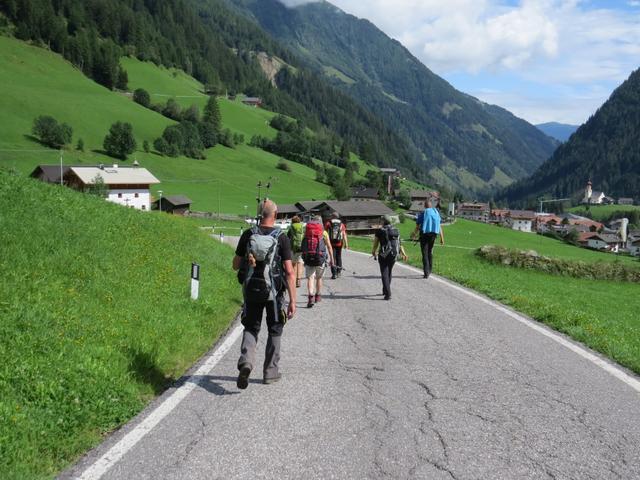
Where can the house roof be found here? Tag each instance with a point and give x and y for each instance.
(474, 206)
(177, 200)
(115, 176)
(522, 214)
(607, 238)
(289, 208)
(373, 208)
(423, 194)
(417, 206)
(309, 205)
(51, 173)
(369, 192)
(584, 236)
(388, 170)
(252, 99)
(625, 199)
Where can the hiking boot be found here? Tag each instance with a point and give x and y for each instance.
(318, 298)
(243, 376)
(269, 381)
(310, 302)
(387, 297)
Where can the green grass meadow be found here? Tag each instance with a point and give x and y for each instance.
(38, 82)
(602, 212)
(601, 314)
(95, 318)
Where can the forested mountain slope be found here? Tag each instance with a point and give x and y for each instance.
(559, 131)
(448, 126)
(216, 46)
(605, 150)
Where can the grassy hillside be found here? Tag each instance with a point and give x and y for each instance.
(39, 82)
(601, 314)
(604, 212)
(95, 317)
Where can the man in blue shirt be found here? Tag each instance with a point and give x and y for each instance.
(428, 227)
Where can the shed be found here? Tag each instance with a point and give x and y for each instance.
(175, 204)
(288, 211)
(367, 193)
(49, 173)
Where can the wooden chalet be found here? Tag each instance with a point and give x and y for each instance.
(358, 217)
(174, 204)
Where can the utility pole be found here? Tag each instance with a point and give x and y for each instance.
(553, 200)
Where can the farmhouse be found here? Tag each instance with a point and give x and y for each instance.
(474, 211)
(358, 217)
(175, 204)
(521, 220)
(252, 101)
(128, 186)
(625, 201)
(288, 211)
(634, 247)
(604, 241)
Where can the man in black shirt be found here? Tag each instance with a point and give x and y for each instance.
(283, 278)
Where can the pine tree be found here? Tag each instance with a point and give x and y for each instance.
(212, 115)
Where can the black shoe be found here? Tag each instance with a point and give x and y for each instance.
(243, 376)
(425, 276)
(333, 277)
(269, 381)
(387, 297)
(310, 302)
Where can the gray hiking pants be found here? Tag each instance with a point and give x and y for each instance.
(252, 321)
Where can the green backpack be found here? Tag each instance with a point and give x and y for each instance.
(296, 234)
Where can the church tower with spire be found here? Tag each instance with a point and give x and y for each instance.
(588, 192)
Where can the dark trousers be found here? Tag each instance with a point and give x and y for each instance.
(252, 321)
(427, 240)
(386, 269)
(336, 268)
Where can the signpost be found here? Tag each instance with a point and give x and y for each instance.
(195, 281)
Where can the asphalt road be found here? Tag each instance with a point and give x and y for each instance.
(433, 384)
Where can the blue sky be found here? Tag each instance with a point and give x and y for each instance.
(544, 60)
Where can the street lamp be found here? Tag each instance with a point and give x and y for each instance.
(160, 201)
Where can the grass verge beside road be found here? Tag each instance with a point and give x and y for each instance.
(95, 318)
(604, 315)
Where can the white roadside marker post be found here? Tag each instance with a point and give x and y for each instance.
(195, 281)
(221, 237)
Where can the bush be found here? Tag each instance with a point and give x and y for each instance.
(226, 138)
(555, 266)
(119, 142)
(282, 165)
(172, 110)
(80, 145)
(50, 132)
(142, 97)
(145, 146)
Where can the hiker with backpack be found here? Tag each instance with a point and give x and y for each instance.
(317, 254)
(428, 228)
(263, 261)
(296, 234)
(387, 247)
(338, 237)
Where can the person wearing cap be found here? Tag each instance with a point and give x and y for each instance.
(386, 248)
(428, 228)
(338, 237)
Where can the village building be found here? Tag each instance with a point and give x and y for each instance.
(521, 220)
(625, 201)
(498, 216)
(252, 101)
(128, 186)
(174, 204)
(633, 246)
(288, 211)
(364, 193)
(474, 211)
(604, 241)
(546, 222)
(358, 217)
(390, 173)
(594, 197)
(583, 238)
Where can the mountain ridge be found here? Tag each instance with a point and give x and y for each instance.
(382, 75)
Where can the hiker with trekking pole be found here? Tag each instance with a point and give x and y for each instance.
(338, 236)
(263, 261)
(427, 229)
(387, 247)
(317, 255)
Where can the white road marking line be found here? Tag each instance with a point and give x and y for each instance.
(610, 368)
(115, 453)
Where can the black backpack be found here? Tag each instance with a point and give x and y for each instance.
(389, 243)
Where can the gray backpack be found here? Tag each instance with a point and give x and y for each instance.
(390, 243)
(263, 282)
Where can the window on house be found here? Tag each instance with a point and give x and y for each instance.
(136, 195)
(119, 195)
(144, 207)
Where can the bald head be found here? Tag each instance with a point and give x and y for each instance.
(268, 210)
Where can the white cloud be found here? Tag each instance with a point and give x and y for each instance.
(554, 43)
